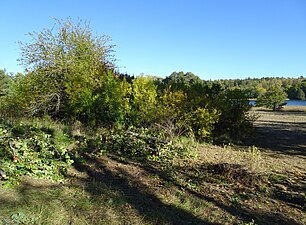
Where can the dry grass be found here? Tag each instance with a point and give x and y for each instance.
(294, 108)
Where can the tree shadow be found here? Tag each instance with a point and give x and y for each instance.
(280, 137)
(236, 210)
(290, 189)
(138, 196)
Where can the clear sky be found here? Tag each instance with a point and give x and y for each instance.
(215, 39)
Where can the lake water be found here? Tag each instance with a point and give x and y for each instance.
(289, 102)
(296, 103)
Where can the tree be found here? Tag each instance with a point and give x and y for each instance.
(292, 92)
(143, 101)
(303, 86)
(65, 68)
(181, 81)
(5, 81)
(300, 94)
(234, 122)
(9, 96)
(274, 98)
(111, 104)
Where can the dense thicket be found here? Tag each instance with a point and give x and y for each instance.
(208, 110)
(70, 76)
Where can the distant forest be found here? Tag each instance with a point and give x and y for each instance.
(254, 87)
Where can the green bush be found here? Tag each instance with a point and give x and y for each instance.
(143, 101)
(29, 150)
(235, 123)
(201, 122)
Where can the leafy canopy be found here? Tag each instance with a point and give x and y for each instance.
(273, 98)
(65, 46)
(65, 67)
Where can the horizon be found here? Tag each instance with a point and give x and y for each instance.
(215, 40)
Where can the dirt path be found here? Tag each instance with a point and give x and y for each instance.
(281, 132)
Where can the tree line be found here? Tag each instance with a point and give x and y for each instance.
(295, 88)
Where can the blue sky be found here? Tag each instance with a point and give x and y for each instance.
(215, 39)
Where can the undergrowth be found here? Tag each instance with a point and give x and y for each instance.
(34, 150)
(44, 148)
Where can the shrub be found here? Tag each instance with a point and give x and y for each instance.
(143, 101)
(235, 123)
(28, 150)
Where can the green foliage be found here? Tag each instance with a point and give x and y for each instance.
(185, 104)
(181, 148)
(8, 100)
(29, 150)
(137, 143)
(143, 101)
(171, 104)
(201, 122)
(297, 91)
(258, 86)
(66, 66)
(300, 94)
(171, 114)
(132, 146)
(19, 218)
(273, 98)
(203, 109)
(181, 81)
(292, 92)
(111, 104)
(234, 123)
(5, 82)
(67, 46)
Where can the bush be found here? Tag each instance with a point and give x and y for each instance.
(143, 102)
(201, 122)
(28, 150)
(235, 124)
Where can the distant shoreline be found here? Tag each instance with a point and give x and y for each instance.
(290, 102)
(285, 108)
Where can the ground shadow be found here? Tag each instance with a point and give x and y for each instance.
(236, 210)
(286, 137)
(139, 197)
(290, 190)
